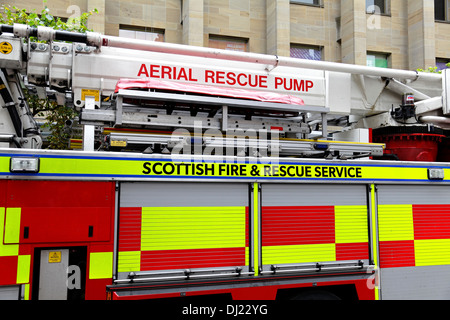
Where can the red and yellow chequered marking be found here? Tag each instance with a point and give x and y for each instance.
(314, 233)
(15, 266)
(414, 235)
(182, 237)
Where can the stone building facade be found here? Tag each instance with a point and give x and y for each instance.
(403, 34)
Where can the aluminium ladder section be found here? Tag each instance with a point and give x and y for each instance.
(126, 116)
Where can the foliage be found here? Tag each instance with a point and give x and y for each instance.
(433, 69)
(55, 115)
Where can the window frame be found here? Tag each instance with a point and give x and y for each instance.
(148, 30)
(319, 3)
(442, 60)
(237, 40)
(308, 46)
(446, 13)
(387, 8)
(387, 55)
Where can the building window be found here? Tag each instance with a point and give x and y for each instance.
(380, 60)
(141, 33)
(306, 52)
(442, 64)
(228, 43)
(441, 10)
(312, 2)
(376, 6)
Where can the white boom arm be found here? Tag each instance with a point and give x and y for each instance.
(93, 63)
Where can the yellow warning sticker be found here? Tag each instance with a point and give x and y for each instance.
(54, 257)
(118, 143)
(91, 93)
(5, 47)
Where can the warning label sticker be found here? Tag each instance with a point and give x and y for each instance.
(54, 256)
(5, 47)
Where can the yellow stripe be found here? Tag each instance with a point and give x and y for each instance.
(12, 225)
(256, 228)
(374, 239)
(395, 222)
(173, 228)
(130, 167)
(432, 252)
(247, 256)
(299, 253)
(129, 261)
(100, 265)
(9, 249)
(26, 294)
(23, 269)
(351, 224)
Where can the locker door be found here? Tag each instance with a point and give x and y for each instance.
(310, 224)
(53, 274)
(414, 241)
(182, 226)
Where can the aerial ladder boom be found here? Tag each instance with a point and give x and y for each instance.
(336, 98)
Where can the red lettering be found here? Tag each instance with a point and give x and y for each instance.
(209, 75)
(255, 78)
(309, 85)
(154, 71)
(143, 71)
(231, 78)
(285, 84)
(190, 76)
(239, 79)
(182, 74)
(278, 81)
(263, 81)
(220, 75)
(299, 85)
(166, 71)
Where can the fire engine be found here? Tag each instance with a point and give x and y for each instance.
(216, 173)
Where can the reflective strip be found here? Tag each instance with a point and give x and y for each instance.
(129, 261)
(374, 240)
(175, 228)
(26, 293)
(123, 167)
(100, 265)
(9, 249)
(23, 269)
(255, 231)
(395, 222)
(374, 224)
(396, 173)
(12, 225)
(247, 256)
(299, 253)
(432, 252)
(351, 224)
(89, 166)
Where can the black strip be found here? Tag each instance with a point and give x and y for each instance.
(6, 28)
(70, 36)
(33, 32)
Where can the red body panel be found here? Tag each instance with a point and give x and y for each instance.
(60, 214)
(397, 254)
(297, 225)
(431, 221)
